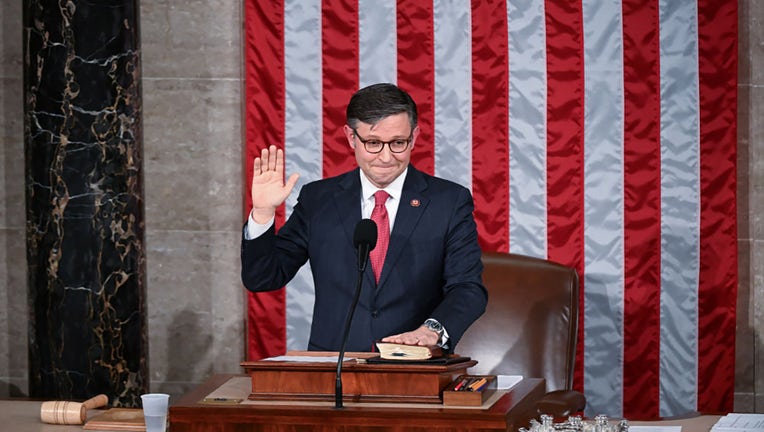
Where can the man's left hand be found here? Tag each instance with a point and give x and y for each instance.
(421, 336)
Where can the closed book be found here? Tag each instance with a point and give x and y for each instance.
(395, 351)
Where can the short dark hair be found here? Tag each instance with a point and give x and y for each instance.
(378, 101)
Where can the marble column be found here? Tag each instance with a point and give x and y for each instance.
(84, 193)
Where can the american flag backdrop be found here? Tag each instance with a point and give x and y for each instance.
(600, 134)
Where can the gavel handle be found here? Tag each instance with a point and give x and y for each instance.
(95, 402)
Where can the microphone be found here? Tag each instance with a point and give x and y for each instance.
(364, 240)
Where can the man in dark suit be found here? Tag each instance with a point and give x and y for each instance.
(426, 290)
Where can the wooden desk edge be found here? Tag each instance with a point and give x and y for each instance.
(521, 396)
(510, 412)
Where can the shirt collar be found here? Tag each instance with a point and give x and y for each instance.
(394, 189)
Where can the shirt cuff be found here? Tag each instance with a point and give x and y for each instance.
(254, 230)
(443, 343)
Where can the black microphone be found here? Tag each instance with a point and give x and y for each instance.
(364, 240)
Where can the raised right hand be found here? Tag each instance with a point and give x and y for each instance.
(268, 188)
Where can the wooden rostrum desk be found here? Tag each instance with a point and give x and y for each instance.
(312, 407)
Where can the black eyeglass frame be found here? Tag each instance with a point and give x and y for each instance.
(389, 143)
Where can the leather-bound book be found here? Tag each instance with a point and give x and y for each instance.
(395, 351)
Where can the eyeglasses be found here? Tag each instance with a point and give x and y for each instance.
(376, 146)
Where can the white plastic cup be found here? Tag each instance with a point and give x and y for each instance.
(155, 411)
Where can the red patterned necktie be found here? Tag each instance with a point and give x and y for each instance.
(379, 216)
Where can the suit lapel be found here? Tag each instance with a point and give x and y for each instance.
(410, 210)
(347, 200)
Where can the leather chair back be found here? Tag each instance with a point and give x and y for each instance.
(530, 324)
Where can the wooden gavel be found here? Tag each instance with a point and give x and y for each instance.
(67, 412)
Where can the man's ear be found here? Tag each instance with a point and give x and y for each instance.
(414, 135)
(350, 135)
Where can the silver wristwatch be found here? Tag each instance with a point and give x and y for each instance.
(433, 325)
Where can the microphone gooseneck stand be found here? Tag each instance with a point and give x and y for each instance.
(340, 359)
(364, 239)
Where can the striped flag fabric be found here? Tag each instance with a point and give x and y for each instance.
(600, 134)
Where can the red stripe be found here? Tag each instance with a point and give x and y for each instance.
(565, 138)
(490, 112)
(264, 124)
(416, 73)
(642, 210)
(339, 40)
(717, 290)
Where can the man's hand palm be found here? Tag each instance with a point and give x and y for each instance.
(269, 190)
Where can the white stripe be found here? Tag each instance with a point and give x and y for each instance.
(680, 198)
(453, 90)
(527, 127)
(303, 140)
(377, 42)
(603, 204)
(603, 182)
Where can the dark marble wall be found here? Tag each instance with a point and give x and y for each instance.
(84, 194)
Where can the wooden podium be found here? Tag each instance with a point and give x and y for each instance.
(299, 397)
(414, 382)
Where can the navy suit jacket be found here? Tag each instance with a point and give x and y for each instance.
(432, 268)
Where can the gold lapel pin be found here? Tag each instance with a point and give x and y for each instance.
(415, 203)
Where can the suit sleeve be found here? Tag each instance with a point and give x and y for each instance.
(464, 296)
(269, 261)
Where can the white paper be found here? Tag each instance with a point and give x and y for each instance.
(737, 422)
(506, 382)
(307, 359)
(655, 428)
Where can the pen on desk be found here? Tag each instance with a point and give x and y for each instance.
(461, 384)
(477, 384)
(467, 383)
(482, 386)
